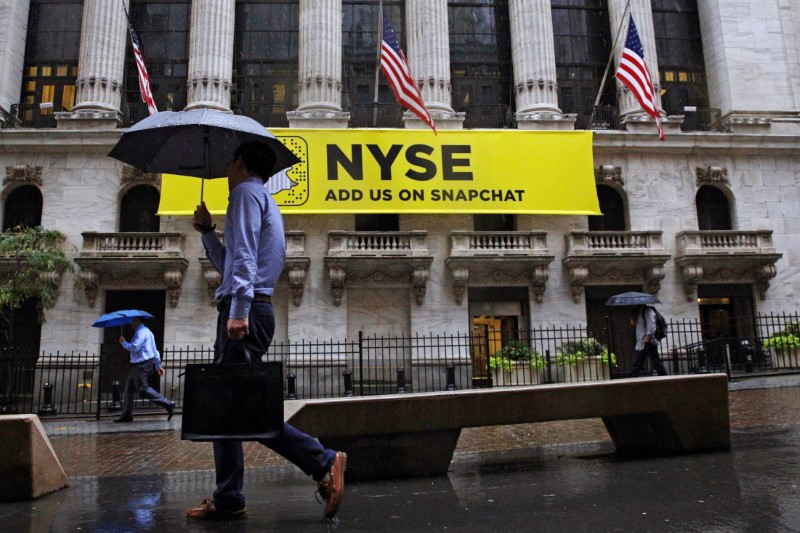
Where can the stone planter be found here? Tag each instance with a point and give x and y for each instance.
(785, 358)
(589, 369)
(521, 373)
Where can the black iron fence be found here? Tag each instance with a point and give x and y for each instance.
(596, 118)
(376, 115)
(33, 115)
(268, 115)
(489, 116)
(83, 383)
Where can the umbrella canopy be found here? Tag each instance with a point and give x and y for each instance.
(197, 143)
(119, 318)
(632, 298)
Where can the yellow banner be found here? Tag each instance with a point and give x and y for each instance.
(415, 171)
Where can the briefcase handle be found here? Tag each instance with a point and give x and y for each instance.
(247, 357)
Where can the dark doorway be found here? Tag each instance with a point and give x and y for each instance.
(20, 335)
(726, 319)
(612, 325)
(115, 359)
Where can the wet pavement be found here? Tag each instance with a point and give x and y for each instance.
(558, 476)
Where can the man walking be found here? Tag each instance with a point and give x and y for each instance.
(144, 359)
(251, 260)
(646, 342)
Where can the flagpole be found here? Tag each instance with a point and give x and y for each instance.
(378, 65)
(610, 59)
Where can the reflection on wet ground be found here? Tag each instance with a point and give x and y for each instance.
(496, 483)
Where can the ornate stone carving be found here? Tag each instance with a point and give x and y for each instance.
(52, 278)
(460, 278)
(539, 277)
(173, 279)
(90, 280)
(653, 277)
(338, 277)
(212, 278)
(764, 273)
(692, 274)
(134, 176)
(297, 283)
(23, 175)
(609, 174)
(711, 175)
(419, 279)
(578, 275)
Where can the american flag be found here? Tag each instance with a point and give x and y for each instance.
(144, 79)
(633, 72)
(395, 68)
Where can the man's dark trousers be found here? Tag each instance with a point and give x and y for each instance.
(302, 450)
(137, 382)
(650, 351)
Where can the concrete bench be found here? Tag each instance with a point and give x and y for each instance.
(415, 434)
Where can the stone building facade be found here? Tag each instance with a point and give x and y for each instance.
(707, 220)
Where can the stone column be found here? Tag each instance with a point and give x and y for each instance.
(629, 109)
(101, 66)
(13, 30)
(534, 59)
(211, 55)
(428, 42)
(320, 70)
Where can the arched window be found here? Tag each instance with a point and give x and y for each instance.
(613, 209)
(713, 209)
(138, 209)
(23, 208)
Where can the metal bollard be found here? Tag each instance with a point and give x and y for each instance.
(748, 356)
(701, 361)
(47, 407)
(116, 403)
(291, 387)
(451, 378)
(401, 380)
(348, 383)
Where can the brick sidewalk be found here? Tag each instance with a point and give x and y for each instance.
(163, 451)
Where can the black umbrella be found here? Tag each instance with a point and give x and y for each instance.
(197, 143)
(632, 298)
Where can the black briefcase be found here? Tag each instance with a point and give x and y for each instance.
(232, 401)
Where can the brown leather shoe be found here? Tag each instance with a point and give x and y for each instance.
(331, 488)
(207, 511)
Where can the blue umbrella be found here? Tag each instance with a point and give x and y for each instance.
(119, 318)
(632, 298)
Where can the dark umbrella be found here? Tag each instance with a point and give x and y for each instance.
(632, 298)
(197, 143)
(119, 318)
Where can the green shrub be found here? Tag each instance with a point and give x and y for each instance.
(782, 341)
(515, 352)
(573, 352)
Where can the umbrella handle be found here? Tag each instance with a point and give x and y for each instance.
(202, 188)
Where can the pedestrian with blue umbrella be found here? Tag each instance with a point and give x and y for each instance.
(145, 359)
(644, 320)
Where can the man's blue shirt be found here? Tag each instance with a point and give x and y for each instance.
(143, 346)
(252, 258)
